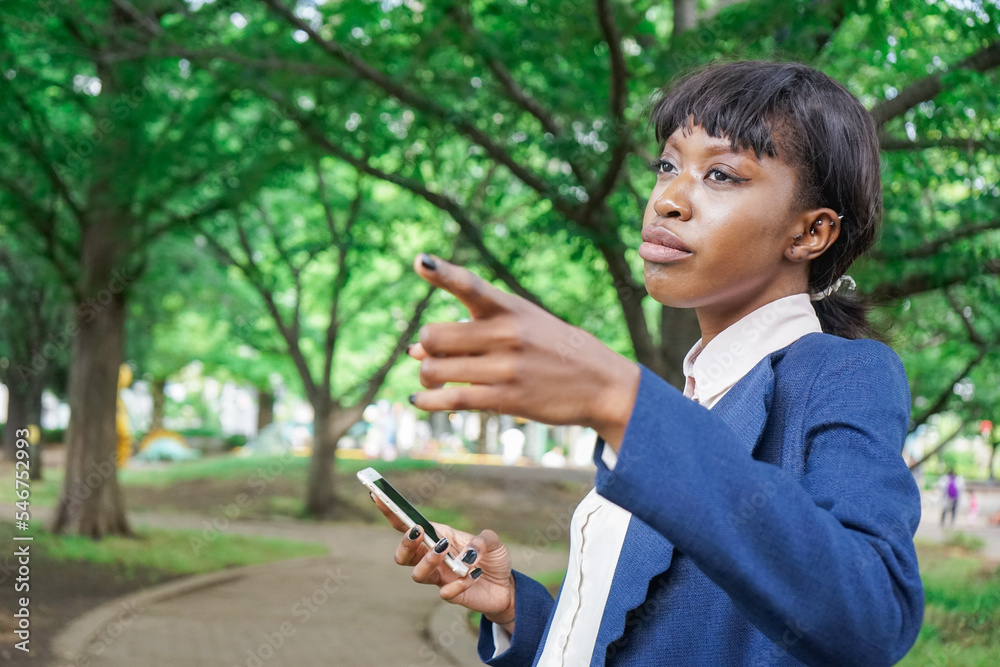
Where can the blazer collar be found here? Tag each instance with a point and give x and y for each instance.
(744, 409)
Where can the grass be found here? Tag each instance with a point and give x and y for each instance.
(966, 541)
(45, 492)
(171, 552)
(962, 613)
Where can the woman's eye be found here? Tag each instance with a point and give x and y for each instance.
(720, 176)
(662, 166)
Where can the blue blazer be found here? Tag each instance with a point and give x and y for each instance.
(774, 529)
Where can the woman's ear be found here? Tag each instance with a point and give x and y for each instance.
(813, 232)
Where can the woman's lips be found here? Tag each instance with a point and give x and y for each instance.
(660, 245)
(652, 252)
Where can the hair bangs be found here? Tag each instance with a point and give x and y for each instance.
(734, 102)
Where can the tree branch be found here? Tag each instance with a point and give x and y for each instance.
(930, 86)
(426, 105)
(44, 221)
(378, 377)
(149, 25)
(938, 447)
(249, 182)
(975, 337)
(617, 95)
(252, 271)
(888, 143)
(982, 347)
(521, 98)
(926, 281)
(209, 55)
(933, 246)
(38, 152)
(942, 400)
(443, 202)
(343, 274)
(502, 74)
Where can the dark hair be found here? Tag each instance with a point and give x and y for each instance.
(810, 121)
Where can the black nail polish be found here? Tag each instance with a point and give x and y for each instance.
(475, 574)
(441, 546)
(470, 557)
(414, 533)
(413, 399)
(428, 263)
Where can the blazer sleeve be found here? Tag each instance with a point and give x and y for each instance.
(822, 564)
(532, 608)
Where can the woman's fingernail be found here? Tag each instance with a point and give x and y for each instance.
(470, 557)
(414, 533)
(428, 262)
(475, 574)
(413, 399)
(441, 546)
(410, 347)
(372, 496)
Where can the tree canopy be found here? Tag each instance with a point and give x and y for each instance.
(258, 174)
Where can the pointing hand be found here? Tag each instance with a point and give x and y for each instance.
(516, 358)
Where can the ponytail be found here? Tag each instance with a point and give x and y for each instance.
(845, 315)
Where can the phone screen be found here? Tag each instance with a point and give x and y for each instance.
(405, 505)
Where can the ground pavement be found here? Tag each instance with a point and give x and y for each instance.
(353, 608)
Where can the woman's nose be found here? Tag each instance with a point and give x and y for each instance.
(673, 200)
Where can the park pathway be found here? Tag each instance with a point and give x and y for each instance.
(352, 608)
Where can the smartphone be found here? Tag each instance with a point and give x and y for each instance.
(408, 514)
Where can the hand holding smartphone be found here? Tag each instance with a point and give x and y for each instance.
(407, 513)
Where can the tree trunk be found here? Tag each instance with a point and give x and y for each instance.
(685, 16)
(34, 414)
(265, 408)
(91, 502)
(159, 403)
(17, 418)
(329, 424)
(484, 420)
(24, 409)
(679, 330)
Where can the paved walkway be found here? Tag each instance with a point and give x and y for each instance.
(353, 608)
(931, 529)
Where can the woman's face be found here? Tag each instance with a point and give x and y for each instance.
(717, 227)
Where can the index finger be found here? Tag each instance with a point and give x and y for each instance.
(396, 522)
(481, 298)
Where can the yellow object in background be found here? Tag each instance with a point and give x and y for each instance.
(121, 418)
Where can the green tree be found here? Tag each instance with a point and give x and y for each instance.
(129, 147)
(329, 262)
(543, 104)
